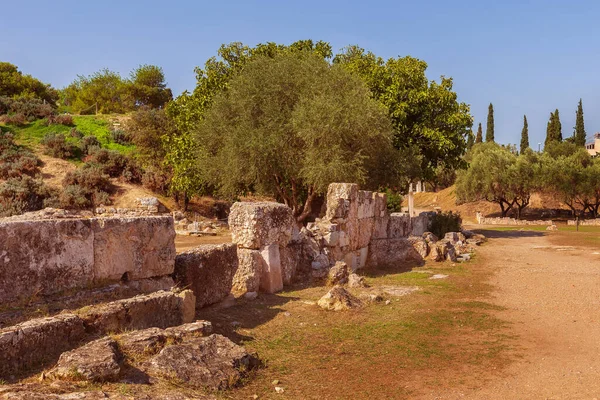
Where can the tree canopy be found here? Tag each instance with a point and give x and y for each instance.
(524, 135)
(291, 124)
(553, 129)
(479, 136)
(489, 132)
(15, 84)
(579, 134)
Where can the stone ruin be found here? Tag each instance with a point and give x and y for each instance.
(55, 253)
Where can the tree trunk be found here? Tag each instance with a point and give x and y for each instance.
(307, 209)
(186, 201)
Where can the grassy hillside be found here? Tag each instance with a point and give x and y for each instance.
(32, 133)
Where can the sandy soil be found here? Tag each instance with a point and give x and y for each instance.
(552, 297)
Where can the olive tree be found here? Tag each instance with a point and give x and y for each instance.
(496, 174)
(291, 124)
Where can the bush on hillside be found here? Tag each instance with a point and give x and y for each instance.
(116, 165)
(23, 194)
(121, 137)
(89, 145)
(60, 119)
(394, 200)
(74, 133)
(156, 180)
(15, 160)
(57, 146)
(444, 222)
(85, 187)
(28, 107)
(14, 119)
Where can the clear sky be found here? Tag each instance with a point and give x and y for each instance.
(526, 57)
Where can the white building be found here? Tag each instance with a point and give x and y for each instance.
(593, 146)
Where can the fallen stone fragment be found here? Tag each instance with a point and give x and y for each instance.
(151, 341)
(338, 274)
(97, 361)
(398, 291)
(356, 281)
(430, 237)
(438, 276)
(552, 228)
(338, 299)
(212, 362)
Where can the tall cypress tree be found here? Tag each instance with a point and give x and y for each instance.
(470, 139)
(489, 132)
(579, 133)
(524, 135)
(479, 137)
(557, 127)
(550, 130)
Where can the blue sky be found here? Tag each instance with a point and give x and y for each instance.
(526, 57)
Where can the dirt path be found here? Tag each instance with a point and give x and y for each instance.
(552, 299)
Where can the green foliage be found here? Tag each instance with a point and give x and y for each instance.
(22, 194)
(479, 137)
(470, 139)
(290, 125)
(394, 200)
(147, 128)
(85, 187)
(14, 84)
(489, 132)
(444, 222)
(553, 129)
(425, 115)
(114, 164)
(29, 108)
(579, 132)
(89, 144)
(524, 135)
(16, 161)
(148, 87)
(498, 175)
(56, 146)
(107, 92)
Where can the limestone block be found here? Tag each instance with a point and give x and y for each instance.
(271, 280)
(259, 224)
(207, 270)
(365, 231)
(420, 224)
(363, 257)
(341, 201)
(141, 247)
(36, 341)
(366, 204)
(420, 245)
(390, 253)
(161, 309)
(250, 267)
(352, 259)
(295, 261)
(380, 205)
(44, 257)
(398, 226)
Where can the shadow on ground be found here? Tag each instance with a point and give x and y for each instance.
(508, 234)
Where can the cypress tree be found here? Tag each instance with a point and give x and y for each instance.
(549, 130)
(524, 135)
(479, 137)
(489, 132)
(557, 127)
(470, 139)
(579, 133)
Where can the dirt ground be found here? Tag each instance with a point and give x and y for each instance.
(549, 287)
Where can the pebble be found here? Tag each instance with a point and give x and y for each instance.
(279, 389)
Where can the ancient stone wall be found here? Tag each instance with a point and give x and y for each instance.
(41, 257)
(585, 222)
(509, 221)
(357, 229)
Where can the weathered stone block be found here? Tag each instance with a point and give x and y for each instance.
(250, 267)
(390, 252)
(398, 226)
(44, 257)
(141, 247)
(341, 201)
(259, 224)
(271, 280)
(420, 224)
(420, 245)
(366, 204)
(160, 309)
(37, 341)
(365, 231)
(207, 270)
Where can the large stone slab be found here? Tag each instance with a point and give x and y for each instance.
(38, 341)
(161, 309)
(259, 224)
(341, 201)
(141, 247)
(399, 226)
(271, 280)
(43, 257)
(391, 252)
(207, 270)
(250, 267)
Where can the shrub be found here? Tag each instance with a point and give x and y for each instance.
(121, 137)
(116, 165)
(19, 195)
(85, 187)
(444, 222)
(89, 145)
(156, 180)
(132, 172)
(28, 107)
(15, 119)
(15, 160)
(394, 200)
(75, 133)
(57, 146)
(60, 119)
